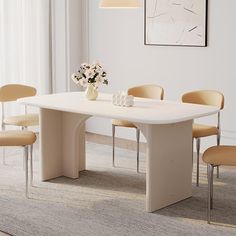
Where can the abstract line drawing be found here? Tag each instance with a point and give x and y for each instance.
(176, 22)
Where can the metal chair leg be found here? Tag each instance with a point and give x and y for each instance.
(31, 165)
(212, 177)
(192, 153)
(26, 153)
(3, 149)
(23, 128)
(198, 157)
(138, 141)
(209, 194)
(113, 145)
(218, 167)
(218, 172)
(210, 169)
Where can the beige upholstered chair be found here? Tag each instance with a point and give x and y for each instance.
(144, 91)
(10, 93)
(25, 139)
(214, 157)
(205, 97)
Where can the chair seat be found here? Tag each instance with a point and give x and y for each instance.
(17, 138)
(23, 120)
(200, 130)
(123, 123)
(220, 155)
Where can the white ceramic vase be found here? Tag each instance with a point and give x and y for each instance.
(91, 92)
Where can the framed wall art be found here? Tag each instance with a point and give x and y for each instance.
(176, 22)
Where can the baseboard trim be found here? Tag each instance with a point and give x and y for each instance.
(119, 142)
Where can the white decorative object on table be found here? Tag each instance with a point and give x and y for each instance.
(90, 76)
(122, 99)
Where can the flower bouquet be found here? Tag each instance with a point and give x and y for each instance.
(90, 76)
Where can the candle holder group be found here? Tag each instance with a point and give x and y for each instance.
(122, 99)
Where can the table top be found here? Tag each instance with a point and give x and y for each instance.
(147, 111)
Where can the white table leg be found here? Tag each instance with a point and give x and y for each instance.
(169, 164)
(62, 144)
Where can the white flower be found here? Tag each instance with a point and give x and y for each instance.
(90, 73)
(85, 66)
(83, 82)
(99, 70)
(99, 80)
(75, 79)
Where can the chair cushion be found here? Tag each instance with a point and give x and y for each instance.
(23, 120)
(17, 138)
(220, 155)
(200, 130)
(123, 123)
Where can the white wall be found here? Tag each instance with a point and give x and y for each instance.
(116, 39)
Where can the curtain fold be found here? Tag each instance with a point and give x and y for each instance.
(25, 43)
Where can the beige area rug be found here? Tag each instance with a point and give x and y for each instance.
(107, 201)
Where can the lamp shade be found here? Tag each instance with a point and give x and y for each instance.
(119, 4)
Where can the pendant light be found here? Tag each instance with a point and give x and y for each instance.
(119, 4)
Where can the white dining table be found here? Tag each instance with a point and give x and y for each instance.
(166, 125)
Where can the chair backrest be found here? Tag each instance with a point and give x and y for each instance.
(12, 92)
(147, 91)
(205, 97)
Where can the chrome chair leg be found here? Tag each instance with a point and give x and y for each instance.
(31, 165)
(138, 141)
(198, 157)
(26, 153)
(209, 195)
(218, 167)
(212, 177)
(192, 153)
(210, 169)
(218, 172)
(23, 128)
(113, 145)
(24, 161)
(3, 149)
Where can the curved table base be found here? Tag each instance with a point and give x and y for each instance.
(169, 155)
(169, 163)
(62, 144)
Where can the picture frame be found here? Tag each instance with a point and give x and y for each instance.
(175, 22)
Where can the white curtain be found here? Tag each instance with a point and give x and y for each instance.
(25, 43)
